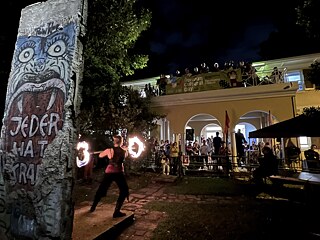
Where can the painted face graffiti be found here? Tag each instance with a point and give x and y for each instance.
(37, 91)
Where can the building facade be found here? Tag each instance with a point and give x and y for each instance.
(250, 105)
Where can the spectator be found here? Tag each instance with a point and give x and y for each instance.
(240, 141)
(312, 157)
(276, 76)
(224, 161)
(204, 68)
(217, 143)
(216, 67)
(174, 157)
(165, 162)
(162, 83)
(268, 165)
(204, 152)
(187, 72)
(189, 149)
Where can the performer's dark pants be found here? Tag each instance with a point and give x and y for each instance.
(120, 180)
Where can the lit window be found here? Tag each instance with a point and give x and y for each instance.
(304, 143)
(295, 77)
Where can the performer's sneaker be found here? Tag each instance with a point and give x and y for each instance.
(93, 208)
(118, 214)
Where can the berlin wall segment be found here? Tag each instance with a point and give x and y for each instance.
(38, 136)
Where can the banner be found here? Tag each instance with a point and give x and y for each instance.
(205, 81)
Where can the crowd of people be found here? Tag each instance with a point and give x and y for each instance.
(249, 76)
(214, 153)
(166, 156)
(211, 152)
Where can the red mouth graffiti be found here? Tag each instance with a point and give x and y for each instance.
(34, 117)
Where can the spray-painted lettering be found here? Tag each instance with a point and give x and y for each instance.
(29, 126)
(23, 149)
(47, 30)
(24, 173)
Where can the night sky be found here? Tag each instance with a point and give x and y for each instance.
(185, 33)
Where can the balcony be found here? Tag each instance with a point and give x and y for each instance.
(292, 69)
(223, 79)
(230, 94)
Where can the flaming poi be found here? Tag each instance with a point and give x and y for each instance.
(136, 147)
(83, 156)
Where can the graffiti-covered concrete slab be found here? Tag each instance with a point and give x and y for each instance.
(38, 136)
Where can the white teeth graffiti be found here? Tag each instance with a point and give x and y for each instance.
(52, 99)
(38, 87)
(20, 103)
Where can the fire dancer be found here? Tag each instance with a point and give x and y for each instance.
(113, 172)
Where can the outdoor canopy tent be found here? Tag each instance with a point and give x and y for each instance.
(302, 125)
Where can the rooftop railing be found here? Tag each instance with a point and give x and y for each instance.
(168, 85)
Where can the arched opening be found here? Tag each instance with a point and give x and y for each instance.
(201, 126)
(209, 131)
(200, 130)
(247, 123)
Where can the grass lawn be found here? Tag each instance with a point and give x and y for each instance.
(247, 219)
(207, 186)
(252, 218)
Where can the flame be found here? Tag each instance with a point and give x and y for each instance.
(135, 147)
(83, 156)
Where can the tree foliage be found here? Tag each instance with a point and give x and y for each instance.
(120, 108)
(314, 74)
(298, 26)
(308, 17)
(312, 111)
(113, 27)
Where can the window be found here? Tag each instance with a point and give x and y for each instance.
(304, 143)
(295, 77)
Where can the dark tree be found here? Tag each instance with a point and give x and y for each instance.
(113, 29)
(308, 17)
(291, 38)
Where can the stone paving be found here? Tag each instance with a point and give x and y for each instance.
(147, 221)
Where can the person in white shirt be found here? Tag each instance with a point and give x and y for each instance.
(204, 152)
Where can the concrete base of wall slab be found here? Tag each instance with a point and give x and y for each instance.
(99, 224)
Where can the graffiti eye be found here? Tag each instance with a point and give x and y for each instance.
(26, 55)
(57, 49)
